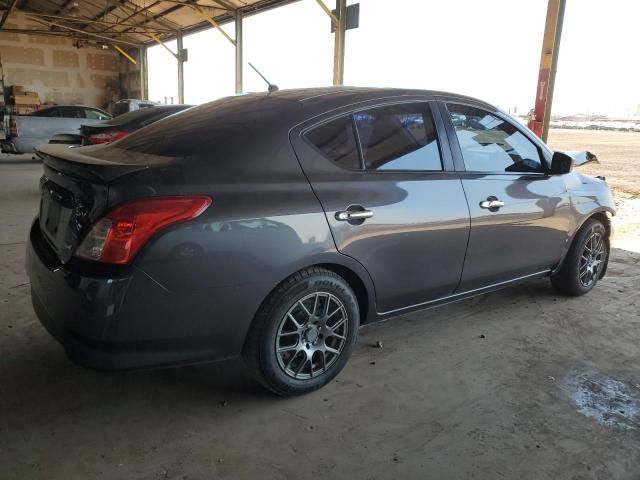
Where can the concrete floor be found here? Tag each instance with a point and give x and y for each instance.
(516, 384)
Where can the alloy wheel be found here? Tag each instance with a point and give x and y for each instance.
(311, 335)
(592, 258)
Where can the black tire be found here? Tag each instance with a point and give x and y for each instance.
(567, 280)
(265, 334)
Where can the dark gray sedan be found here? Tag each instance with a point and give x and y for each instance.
(274, 225)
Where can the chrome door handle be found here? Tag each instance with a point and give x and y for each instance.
(349, 215)
(491, 203)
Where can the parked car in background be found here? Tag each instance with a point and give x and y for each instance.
(25, 132)
(121, 126)
(129, 105)
(274, 225)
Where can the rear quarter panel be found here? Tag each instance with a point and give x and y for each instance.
(264, 224)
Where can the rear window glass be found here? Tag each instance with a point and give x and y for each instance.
(399, 137)
(337, 141)
(208, 129)
(143, 115)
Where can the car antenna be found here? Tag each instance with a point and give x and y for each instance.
(271, 87)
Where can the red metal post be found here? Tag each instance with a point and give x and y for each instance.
(539, 120)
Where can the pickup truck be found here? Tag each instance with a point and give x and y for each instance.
(24, 132)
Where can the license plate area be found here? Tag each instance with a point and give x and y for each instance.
(55, 213)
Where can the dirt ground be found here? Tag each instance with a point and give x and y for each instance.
(520, 383)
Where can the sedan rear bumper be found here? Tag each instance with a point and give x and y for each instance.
(124, 319)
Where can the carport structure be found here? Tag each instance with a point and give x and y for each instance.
(129, 26)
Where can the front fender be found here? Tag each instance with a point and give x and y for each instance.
(590, 197)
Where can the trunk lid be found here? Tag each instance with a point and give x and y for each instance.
(75, 191)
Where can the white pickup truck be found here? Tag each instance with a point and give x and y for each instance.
(24, 132)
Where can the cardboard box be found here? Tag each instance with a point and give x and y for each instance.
(25, 109)
(16, 90)
(31, 94)
(24, 100)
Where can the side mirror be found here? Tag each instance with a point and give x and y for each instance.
(561, 163)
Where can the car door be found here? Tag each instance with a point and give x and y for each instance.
(519, 213)
(391, 197)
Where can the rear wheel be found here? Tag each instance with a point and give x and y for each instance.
(304, 332)
(585, 261)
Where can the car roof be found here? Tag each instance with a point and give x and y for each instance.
(338, 94)
(310, 102)
(263, 116)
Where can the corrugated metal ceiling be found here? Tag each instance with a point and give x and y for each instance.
(132, 22)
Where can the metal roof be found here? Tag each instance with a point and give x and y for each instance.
(128, 22)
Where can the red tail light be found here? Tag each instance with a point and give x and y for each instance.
(106, 137)
(122, 232)
(13, 127)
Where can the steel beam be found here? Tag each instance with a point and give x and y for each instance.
(110, 25)
(7, 12)
(156, 39)
(238, 46)
(326, 9)
(144, 90)
(85, 32)
(539, 123)
(125, 54)
(213, 23)
(338, 47)
(180, 69)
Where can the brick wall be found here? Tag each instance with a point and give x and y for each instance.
(55, 68)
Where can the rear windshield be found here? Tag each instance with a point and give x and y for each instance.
(147, 113)
(207, 128)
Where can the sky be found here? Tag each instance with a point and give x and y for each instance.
(488, 49)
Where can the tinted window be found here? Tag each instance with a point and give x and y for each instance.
(398, 137)
(47, 112)
(95, 114)
(216, 128)
(70, 112)
(145, 116)
(490, 144)
(337, 141)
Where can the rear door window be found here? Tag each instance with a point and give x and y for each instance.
(70, 112)
(337, 141)
(399, 137)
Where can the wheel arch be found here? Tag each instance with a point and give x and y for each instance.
(603, 215)
(353, 273)
(356, 284)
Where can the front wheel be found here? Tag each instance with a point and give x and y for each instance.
(585, 261)
(304, 332)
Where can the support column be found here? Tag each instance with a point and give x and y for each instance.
(554, 69)
(338, 48)
(238, 47)
(539, 123)
(142, 57)
(180, 69)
